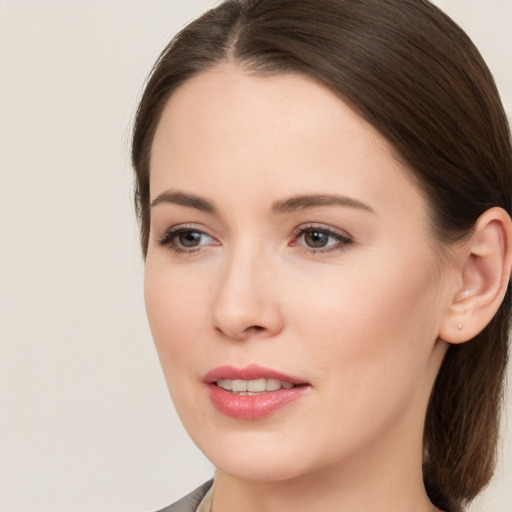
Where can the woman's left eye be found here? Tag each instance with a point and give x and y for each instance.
(319, 239)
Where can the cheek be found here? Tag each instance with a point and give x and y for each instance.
(352, 303)
(176, 308)
(373, 332)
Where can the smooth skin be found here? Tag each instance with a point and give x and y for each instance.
(345, 287)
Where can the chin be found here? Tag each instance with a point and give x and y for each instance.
(260, 469)
(263, 456)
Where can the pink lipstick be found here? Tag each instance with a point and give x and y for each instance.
(253, 392)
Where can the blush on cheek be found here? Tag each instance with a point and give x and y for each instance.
(174, 319)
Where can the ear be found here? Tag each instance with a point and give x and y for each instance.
(483, 269)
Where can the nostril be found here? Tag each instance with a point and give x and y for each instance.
(255, 328)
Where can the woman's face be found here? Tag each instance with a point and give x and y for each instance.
(288, 244)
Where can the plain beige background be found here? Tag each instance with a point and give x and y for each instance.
(86, 424)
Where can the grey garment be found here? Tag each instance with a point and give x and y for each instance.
(191, 501)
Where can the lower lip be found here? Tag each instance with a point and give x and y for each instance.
(252, 407)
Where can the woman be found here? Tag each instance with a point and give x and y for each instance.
(324, 190)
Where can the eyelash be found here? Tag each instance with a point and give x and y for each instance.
(343, 240)
(168, 239)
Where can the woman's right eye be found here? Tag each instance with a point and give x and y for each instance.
(183, 239)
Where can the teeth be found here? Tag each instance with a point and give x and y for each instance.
(253, 387)
(273, 384)
(257, 385)
(239, 385)
(225, 384)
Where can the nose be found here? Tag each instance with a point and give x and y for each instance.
(246, 302)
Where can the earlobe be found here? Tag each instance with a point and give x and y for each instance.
(484, 266)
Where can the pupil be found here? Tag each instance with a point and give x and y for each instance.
(316, 239)
(189, 238)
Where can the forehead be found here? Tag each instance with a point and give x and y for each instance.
(283, 133)
(234, 99)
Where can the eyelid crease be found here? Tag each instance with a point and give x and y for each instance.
(321, 227)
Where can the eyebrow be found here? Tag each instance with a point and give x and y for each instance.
(182, 199)
(312, 201)
(279, 207)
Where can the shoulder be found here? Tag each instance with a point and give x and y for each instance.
(191, 501)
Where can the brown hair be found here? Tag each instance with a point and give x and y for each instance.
(413, 74)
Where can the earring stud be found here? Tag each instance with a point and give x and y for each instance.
(460, 327)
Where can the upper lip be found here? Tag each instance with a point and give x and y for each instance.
(251, 372)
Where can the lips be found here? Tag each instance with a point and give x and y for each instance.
(253, 392)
